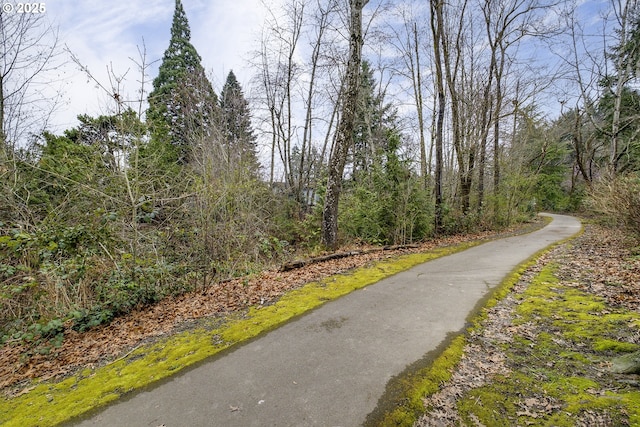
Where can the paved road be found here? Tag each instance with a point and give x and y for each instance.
(330, 366)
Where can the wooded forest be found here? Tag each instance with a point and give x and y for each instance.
(366, 123)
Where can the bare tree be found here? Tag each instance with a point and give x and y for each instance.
(308, 162)
(28, 51)
(452, 23)
(278, 73)
(506, 24)
(625, 13)
(437, 30)
(597, 70)
(406, 40)
(344, 134)
(299, 65)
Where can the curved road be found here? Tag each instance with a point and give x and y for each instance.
(331, 366)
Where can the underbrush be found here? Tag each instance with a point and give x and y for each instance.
(618, 202)
(79, 277)
(57, 276)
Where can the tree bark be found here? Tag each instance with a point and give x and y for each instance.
(417, 88)
(344, 137)
(436, 30)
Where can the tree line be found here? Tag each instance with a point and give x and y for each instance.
(368, 122)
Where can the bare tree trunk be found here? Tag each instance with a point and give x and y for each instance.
(437, 31)
(624, 11)
(417, 88)
(578, 145)
(496, 142)
(452, 62)
(297, 15)
(3, 145)
(306, 165)
(344, 138)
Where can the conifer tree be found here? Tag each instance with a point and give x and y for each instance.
(373, 123)
(239, 139)
(182, 105)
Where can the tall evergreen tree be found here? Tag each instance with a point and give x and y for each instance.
(182, 105)
(239, 139)
(374, 120)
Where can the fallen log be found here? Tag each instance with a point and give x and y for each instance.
(337, 255)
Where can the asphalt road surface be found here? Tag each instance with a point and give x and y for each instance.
(331, 366)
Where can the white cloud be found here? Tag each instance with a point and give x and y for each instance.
(107, 34)
(224, 32)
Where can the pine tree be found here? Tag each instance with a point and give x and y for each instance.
(239, 139)
(182, 105)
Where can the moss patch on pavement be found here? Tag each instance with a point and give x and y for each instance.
(410, 388)
(49, 403)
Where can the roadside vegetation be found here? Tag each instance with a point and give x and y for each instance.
(95, 367)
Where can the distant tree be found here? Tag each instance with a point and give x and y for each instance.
(68, 177)
(619, 114)
(237, 132)
(182, 105)
(437, 31)
(113, 135)
(618, 105)
(383, 201)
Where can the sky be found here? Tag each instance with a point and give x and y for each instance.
(104, 34)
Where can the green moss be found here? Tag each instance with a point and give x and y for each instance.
(577, 331)
(579, 316)
(499, 403)
(495, 404)
(412, 388)
(51, 403)
(574, 356)
(631, 402)
(603, 345)
(568, 387)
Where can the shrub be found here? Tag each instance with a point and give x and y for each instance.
(617, 201)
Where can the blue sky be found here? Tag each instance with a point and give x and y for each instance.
(108, 33)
